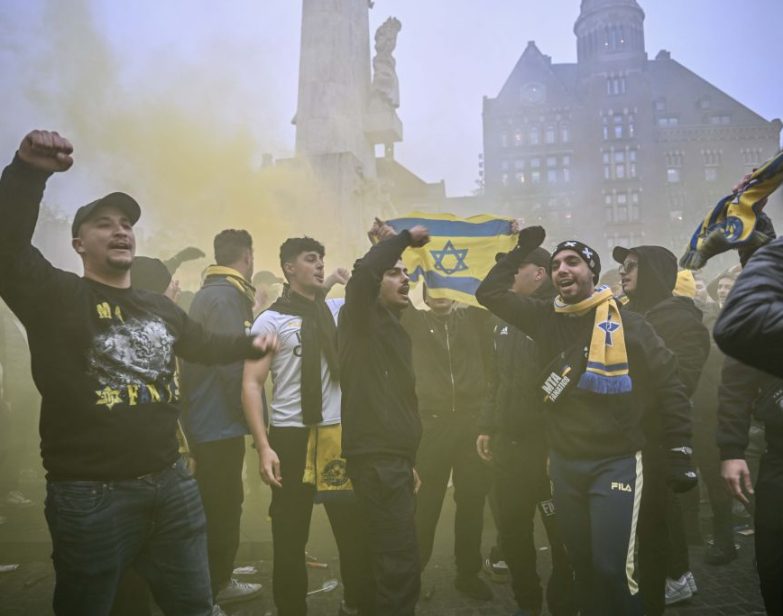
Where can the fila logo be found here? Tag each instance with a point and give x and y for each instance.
(621, 487)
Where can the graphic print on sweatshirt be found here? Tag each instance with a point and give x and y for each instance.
(133, 362)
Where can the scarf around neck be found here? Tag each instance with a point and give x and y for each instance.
(319, 335)
(607, 359)
(234, 278)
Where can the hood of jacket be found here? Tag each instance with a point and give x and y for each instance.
(656, 276)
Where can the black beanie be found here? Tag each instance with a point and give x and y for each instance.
(587, 254)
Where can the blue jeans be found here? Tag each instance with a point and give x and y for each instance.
(155, 524)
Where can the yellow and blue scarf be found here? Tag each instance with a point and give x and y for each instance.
(732, 222)
(607, 359)
(325, 468)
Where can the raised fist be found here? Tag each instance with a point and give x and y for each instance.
(530, 238)
(419, 236)
(46, 151)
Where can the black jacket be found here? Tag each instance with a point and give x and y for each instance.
(739, 389)
(586, 424)
(750, 326)
(379, 408)
(513, 403)
(676, 320)
(750, 329)
(452, 357)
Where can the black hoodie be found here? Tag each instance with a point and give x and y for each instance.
(676, 320)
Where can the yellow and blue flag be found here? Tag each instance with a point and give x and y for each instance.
(460, 253)
(732, 222)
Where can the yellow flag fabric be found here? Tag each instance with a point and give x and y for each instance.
(460, 254)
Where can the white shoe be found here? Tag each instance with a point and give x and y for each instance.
(235, 591)
(691, 582)
(17, 499)
(218, 611)
(677, 590)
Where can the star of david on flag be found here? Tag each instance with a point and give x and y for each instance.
(460, 253)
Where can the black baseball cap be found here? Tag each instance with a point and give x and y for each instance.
(120, 200)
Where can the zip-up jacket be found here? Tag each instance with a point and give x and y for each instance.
(213, 394)
(379, 408)
(513, 405)
(452, 358)
(586, 424)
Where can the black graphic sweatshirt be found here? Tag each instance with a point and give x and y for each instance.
(103, 358)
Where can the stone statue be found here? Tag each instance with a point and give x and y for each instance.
(385, 85)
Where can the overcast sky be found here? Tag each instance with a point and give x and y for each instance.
(231, 69)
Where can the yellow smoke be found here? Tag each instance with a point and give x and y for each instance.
(185, 144)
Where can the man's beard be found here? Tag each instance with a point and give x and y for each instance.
(120, 265)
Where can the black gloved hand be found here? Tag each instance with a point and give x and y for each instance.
(529, 239)
(682, 476)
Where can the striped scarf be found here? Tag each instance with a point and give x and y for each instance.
(233, 277)
(607, 359)
(732, 223)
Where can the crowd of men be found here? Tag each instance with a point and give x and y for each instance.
(591, 405)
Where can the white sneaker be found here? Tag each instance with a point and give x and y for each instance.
(17, 499)
(677, 590)
(691, 582)
(235, 591)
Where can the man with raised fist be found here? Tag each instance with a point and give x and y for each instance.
(103, 358)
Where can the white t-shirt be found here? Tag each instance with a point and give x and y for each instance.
(286, 405)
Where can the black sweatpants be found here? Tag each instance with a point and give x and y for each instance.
(448, 445)
(597, 505)
(291, 511)
(661, 539)
(769, 531)
(707, 458)
(383, 485)
(219, 477)
(521, 485)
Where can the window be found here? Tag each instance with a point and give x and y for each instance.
(720, 119)
(535, 163)
(503, 140)
(535, 177)
(565, 133)
(519, 163)
(751, 156)
(504, 179)
(535, 136)
(567, 175)
(668, 121)
(615, 85)
(550, 134)
(672, 175)
(660, 105)
(551, 161)
(551, 176)
(505, 165)
(518, 137)
(520, 177)
(711, 174)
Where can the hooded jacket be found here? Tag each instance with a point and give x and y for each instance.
(676, 320)
(513, 403)
(452, 358)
